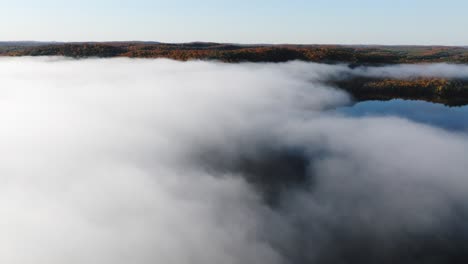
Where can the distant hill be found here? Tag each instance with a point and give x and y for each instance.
(353, 54)
(27, 43)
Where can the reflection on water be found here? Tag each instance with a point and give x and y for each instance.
(451, 118)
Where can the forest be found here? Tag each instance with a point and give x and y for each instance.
(354, 55)
(451, 92)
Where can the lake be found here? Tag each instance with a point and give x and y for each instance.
(439, 115)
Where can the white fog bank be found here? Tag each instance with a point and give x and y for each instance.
(113, 161)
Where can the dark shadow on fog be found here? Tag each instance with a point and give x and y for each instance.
(283, 175)
(272, 172)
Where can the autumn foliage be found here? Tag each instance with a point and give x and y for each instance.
(447, 91)
(355, 55)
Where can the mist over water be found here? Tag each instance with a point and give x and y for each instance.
(144, 161)
(440, 70)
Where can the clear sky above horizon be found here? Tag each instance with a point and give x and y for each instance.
(423, 22)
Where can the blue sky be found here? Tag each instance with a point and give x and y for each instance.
(288, 21)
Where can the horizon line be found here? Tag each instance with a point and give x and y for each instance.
(227, 43)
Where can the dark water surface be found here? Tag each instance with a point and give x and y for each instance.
(439, 115)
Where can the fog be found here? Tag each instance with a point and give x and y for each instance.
(156, 161)
(440, 70)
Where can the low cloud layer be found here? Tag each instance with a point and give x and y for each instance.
(440, 70)
(146, 161)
